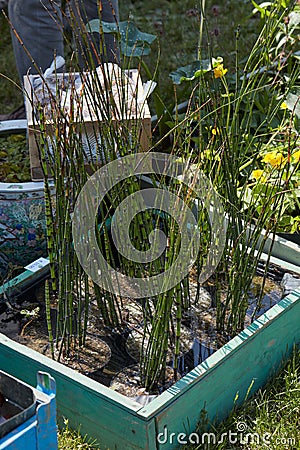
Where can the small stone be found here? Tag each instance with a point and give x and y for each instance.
(289, 283)
(141, 391)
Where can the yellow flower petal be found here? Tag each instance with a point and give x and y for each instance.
(219, 71)
(283, 105)
(275, 159)
(296, 156)
(258, 174)
(215, 131)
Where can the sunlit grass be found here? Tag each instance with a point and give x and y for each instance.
(10, 95)
(271, 417)
(69, 439)
(176, 24)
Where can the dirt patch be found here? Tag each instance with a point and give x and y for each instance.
(110, 357)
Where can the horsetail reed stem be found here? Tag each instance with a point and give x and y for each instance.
(48, 317)
(216, 136)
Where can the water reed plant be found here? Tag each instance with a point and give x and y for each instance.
(240, 114)
(229, 119)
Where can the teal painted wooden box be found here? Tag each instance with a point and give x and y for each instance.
(121, 423)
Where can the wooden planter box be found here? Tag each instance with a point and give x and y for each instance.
(90, 127)
(121, 423)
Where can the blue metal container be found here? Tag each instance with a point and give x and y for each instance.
(28, 415)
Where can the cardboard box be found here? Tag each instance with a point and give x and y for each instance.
(68, 99)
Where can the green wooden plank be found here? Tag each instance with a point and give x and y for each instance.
(283, 249)
(291, 301)
(118, 422)
(100, 412)
(16, 282)
(253, 355)
(25, 279)
(286, 265)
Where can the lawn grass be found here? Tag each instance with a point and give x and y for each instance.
(69, 439)
(176, 25)
(271, 418)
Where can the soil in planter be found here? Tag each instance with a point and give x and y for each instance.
(14, 159)
(23, 319)
(112, 358)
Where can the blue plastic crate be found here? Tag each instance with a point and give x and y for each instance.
(33, 427)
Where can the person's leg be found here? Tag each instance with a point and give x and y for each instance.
(3, 4)
(82, 11)
(38, 24)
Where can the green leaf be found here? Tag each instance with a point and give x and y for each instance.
(191, 71)
(293, 102)
(296, 224)
(285, 222)
(133, 41)
(262, 8)
(296, 54)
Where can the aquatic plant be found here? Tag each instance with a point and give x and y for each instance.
(229, 120)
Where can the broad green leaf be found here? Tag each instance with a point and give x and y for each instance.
(293, 102)
(133, 41)
(262, 8)
(285, 221)
(136, 50)
(296, 224)
(191, 71)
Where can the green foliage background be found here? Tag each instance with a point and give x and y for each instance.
(176, 25)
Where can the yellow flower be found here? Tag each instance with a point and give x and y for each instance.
(296, 156)
(283, 105)
(258, 174)
(215, 131)
(219, 71)
(274, 158)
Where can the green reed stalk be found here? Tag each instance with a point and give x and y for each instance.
(178, 304)
(77, 148)
(234, 144)
(48, 317)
